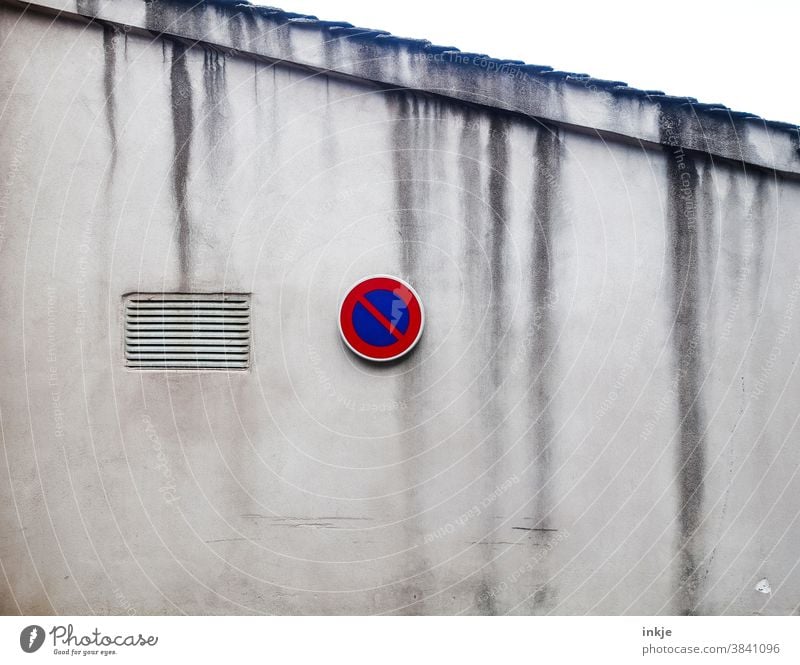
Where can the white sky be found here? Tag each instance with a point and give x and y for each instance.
(744, 55)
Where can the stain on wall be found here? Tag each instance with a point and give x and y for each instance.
(683, 185)
(546, 192)
(110, 38)
(495, 212)
(496, 234)
(215, 112)
(481, 237)
(405, 140)
(485, 599)
(182, 127)
(88, 7)
(759, 216)
(409, 157)
(471, 205)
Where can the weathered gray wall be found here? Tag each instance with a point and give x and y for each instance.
(600, 417)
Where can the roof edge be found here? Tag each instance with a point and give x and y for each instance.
(609, 108)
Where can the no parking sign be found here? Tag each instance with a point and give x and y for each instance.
(381, 318)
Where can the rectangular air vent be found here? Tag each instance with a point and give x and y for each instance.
(187, 331)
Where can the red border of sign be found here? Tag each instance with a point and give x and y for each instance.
(405, 342)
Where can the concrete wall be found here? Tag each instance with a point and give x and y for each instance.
(600, 418)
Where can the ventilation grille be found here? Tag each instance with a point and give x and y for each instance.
(187, 331)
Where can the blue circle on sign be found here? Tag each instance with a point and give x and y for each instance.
(391, 307)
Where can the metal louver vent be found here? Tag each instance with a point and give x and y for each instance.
(187, 331)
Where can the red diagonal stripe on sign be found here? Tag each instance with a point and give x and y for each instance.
(381, 318)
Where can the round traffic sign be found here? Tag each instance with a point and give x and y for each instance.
(381, 318)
